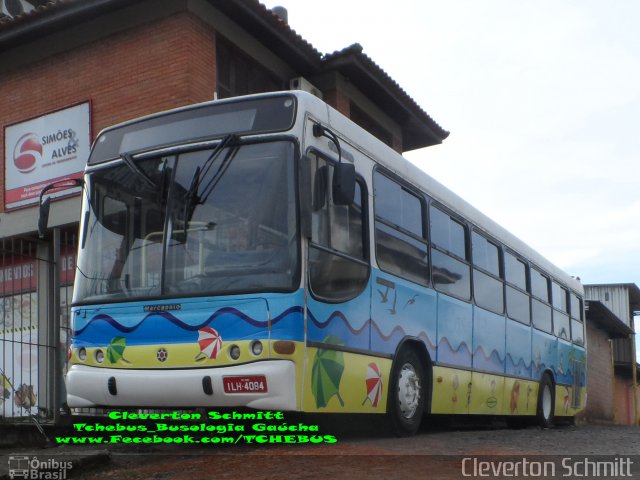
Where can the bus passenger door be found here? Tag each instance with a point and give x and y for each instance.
(338, 301)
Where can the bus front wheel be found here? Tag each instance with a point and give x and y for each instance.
(406, 393)
(546, 402)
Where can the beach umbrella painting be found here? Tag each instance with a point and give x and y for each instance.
(373, 381)
(210, 343)
(115, 350)
(326, 373)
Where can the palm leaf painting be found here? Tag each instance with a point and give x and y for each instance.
(326, 373)
(115, 350)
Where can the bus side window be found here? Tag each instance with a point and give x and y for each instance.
(338, 266)
(487, 284)
(518, 304)
(577, 325)
(451, 272)
(401, 246)
(540, 308)
(561, 323)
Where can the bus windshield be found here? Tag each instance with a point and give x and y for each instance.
(205, 222)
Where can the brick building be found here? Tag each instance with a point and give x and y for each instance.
(612, 373)
(82, 65)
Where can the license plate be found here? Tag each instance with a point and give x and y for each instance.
(248, 384)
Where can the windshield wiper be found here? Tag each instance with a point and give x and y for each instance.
(224, 165)
(193, 197)
(126, 157)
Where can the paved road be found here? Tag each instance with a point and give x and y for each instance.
(445, 452)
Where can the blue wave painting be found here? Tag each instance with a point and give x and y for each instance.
(519, 369)
(159, 327)
(489, 363)
(339, 325)
(233, 324)
(458, 355)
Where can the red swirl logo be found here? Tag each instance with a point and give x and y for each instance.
(27, 153)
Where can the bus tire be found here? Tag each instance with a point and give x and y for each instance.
(407, 393)
(546, 402)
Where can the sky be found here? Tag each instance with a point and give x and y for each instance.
(542, 100)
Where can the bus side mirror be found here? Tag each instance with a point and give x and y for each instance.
(344, 183)
(45, 203)
(43, 218)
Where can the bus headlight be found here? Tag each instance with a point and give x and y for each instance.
(256, 348)
(234, 352)
(99, 356)
(82, 354)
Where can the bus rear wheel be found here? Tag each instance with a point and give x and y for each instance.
(406, 393)
(546, 402)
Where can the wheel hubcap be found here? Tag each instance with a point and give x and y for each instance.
(408, 391)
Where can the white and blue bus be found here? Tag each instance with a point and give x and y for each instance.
(266, 252)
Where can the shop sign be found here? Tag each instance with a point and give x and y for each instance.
(20, 274)
(43, 150)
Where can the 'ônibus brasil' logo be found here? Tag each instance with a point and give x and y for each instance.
(27, 152)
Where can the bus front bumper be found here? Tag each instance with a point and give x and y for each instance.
(202, 387)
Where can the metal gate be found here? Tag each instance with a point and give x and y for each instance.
(35, 294)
